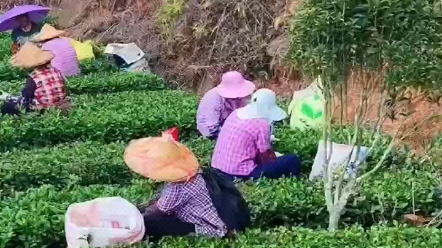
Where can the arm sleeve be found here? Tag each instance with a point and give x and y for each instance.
(171, 198)
(263, 142)
(212, 115)
(28, 93)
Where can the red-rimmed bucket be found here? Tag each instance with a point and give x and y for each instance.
(174, 132)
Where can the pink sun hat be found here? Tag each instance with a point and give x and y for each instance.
(234, 85)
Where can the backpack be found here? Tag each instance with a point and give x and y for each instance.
(228, 201)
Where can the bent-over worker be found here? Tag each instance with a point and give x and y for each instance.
(45, 86)
(243, 149)
(65, 57)
(186, 204)
(233, 92)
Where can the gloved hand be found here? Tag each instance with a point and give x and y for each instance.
(278, 154)
(4, 96)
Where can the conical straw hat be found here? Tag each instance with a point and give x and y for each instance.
(30, 56)
(47, 32)
(161, 159)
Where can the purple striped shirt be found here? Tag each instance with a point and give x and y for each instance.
(65, 59)
(239, 144)
(191, 202)
(213, 110)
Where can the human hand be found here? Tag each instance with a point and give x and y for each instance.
(4, 96)
(273, 138)
(277, 154)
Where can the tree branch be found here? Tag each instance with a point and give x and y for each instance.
(380, 162)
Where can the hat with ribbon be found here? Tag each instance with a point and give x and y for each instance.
(262, 106)
(161, 159)
(234, 85)
(30, 56)
(47, 32)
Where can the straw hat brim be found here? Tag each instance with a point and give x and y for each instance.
(47, 32)
(31, 56)
(178, 170)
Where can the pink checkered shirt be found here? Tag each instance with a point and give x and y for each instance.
(213, 110)
(191, 202)
(50, 88)
(239, 143)
(65, 57)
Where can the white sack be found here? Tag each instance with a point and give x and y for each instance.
(104, 221)
(340, 154)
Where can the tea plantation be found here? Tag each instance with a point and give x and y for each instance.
(51, 161)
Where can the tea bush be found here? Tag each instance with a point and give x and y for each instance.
(100, 83)
(392, 237)
(108, 117)
(283, 202)
(9, 73)
(89, 162)
(94, 162)
(51, 161)
(36, 217)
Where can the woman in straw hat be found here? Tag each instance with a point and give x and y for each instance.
(45, 86)
(233, 92)
(243, 149)
(65, 57)
(186, 204)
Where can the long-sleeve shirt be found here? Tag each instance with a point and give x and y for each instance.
(242, 145)
(45, 94)
(50, 91)
(65, 57)
(213, 110)
(191, 202)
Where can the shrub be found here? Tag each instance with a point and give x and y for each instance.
(97, 65)
(35, 218)
(5, 46)
(94, 162)
(330, 38)
(392, 44)
(106, 118)
(380, 236)
(101, 83)
(10, 73)
(84, 163)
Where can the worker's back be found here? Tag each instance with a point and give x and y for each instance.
(65, 59)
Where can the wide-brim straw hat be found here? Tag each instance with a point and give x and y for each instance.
(161, 159)
(30, 56)
(47, 32)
